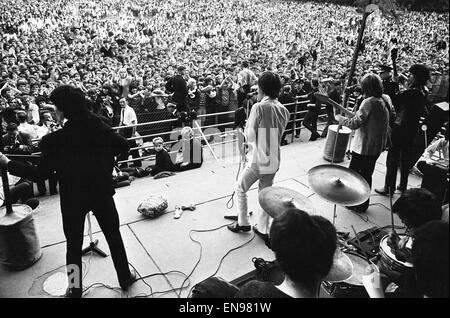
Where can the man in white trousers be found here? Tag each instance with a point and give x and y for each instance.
(263, 131)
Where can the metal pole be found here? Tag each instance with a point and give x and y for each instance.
(207, 143)
(295, 120)
(355, 56)
(6, 192)
(335, 142)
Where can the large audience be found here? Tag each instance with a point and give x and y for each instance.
(112, 49)
(129, 57)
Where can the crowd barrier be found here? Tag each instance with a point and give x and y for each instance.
(296, 125)
(222, 136)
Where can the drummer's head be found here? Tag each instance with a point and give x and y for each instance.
(304, 246)
(416, 207)
(430, 259)
(371, 85)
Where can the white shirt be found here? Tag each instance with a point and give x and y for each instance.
(127, 116)
(440, 146)
(28, 129)
(265, 126)
(33, 112)
(12, 180)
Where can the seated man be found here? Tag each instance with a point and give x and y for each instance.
(25, 127)
(192, 151)
(163, 161)
(19, 190)
(304, 247)
(435, 172)
(415, 207)
(16, 142)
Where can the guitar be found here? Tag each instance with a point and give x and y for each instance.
(325, 99)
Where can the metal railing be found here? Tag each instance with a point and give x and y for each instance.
(150, 146)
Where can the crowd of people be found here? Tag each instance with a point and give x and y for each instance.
(114, 49)
(133, 61)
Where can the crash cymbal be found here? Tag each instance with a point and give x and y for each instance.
(339, 185)
(276, 200)
(342, 268)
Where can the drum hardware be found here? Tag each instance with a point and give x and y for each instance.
(338, 185)
(392, 211)
(370, 241)
(424, 129)
(360, 245)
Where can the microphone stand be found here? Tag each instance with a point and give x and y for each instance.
(93, 244)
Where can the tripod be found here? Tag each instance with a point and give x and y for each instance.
(93, 244)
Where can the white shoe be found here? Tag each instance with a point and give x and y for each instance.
(178, 213)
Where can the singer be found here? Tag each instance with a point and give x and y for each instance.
(263, 131)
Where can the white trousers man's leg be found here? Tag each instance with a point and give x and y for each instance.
(246, 179)
(264, 219)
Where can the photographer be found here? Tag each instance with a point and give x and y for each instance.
(16, 142)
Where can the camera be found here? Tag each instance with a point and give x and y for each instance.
(187, 116)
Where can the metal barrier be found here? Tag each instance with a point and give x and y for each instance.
(228, 133)
(293, 121)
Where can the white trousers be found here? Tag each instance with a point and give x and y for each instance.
(246, 179)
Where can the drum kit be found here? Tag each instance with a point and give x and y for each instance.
(340, 186)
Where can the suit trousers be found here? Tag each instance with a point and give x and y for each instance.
(128, 133)
(364, 165)
(246, 179)
(73, 216)
(399, 156)
(310, 121)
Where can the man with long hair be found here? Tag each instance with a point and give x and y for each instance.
(263, 131)
(85, 146)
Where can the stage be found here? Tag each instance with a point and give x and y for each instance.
(156, 246)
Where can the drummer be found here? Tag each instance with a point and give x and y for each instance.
(370, 123)
(416, 207)
(430, 256)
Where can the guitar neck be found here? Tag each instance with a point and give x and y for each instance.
(341, 108)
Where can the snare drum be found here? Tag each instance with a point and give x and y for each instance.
(388, 261)
(352, 287)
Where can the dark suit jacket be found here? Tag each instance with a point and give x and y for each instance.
(409, 106)
(177, 85)
(82, 154)
(22, 139)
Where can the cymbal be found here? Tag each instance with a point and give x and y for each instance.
(277, 200)
(339, 185)
(342, 268)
